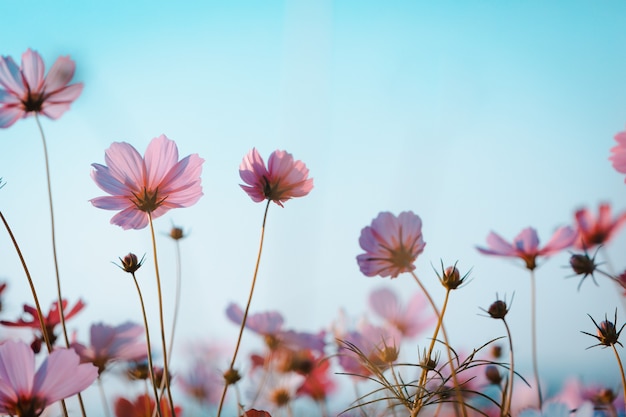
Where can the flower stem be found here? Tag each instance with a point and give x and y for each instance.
(145, 322)
(422, 382)
(54, 253)
(533, 329)
(245, 314)
(166, 374)
(506, 404)
(621, 369)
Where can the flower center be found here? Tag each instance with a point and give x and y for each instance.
(148, 201)
(33, 102)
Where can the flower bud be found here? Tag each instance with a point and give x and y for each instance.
(582, 264)
(130, 263)
(231, 376)
(493, 374)
(498, 309)
(177, 233)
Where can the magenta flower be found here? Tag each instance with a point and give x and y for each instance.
(25, 89)
(410, 320)
(391, 244)
(618, 153)
(593, 231)
(526, 245)
(26, 393)
(150, 185)
(109, 344)
(283, 179)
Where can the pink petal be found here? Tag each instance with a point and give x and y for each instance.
(126, 165)
(130, 218)
(112, 203)
(527, 242)
(61, 375)
(384, 302)
(108, 183)
(182, 184)
(564, 237)
(10, 115)
(11, 77)
(161, 155)
(59, 75)
(497, 246)
(17, 366)
(33, 70)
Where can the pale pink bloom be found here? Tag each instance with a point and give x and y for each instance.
(201, 383)
(593, 231)
(110, 344)
(526, 245)
(25, 89)
(270, 326)
(391, 244)
(618, 153)
(153, 184)
(573, 393)
(410, 320)
(283, 179)
(26, 393)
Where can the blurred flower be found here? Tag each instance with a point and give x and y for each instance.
(25, 89)
(143, 406)
(25, 393)
(526, 245)
(410, 320)
(607, 333)
(318, 383)
(202, 384)
(618, 153)
(153, 184)
(109, 344)
(573, 393)
(177, 233)
(283, 179)
(391, 244)
(50, 321)
(269, 325)
(599, 230)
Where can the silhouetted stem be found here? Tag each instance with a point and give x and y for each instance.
(149, 346)
(506, 405)
(533, 330)
(621, 369)
(166, 374)
(245, 314)
(423, 377)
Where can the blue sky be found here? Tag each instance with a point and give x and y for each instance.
(481, 116)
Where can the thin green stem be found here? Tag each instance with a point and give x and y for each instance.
(245, 314)
(533, 330)
(54, 252)
(506, 404)
(621, 369)
(166, 374)
(149, 346)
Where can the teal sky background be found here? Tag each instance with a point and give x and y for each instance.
(475, 115)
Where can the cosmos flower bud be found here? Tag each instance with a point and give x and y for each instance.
(451, 278)
(582, 264)
(498, 309)
(231, 376)
(131, 263)
(176, 233)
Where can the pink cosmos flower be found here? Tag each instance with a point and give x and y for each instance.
(52, 320)
(26, 393)
(270, 326)
(593, 231)
(526, 245)
(391, 244)
(283, 179)
(202, 384)
(25, 89)
(618, 153)
(150, 185)
(109, 344)
(410, 320)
